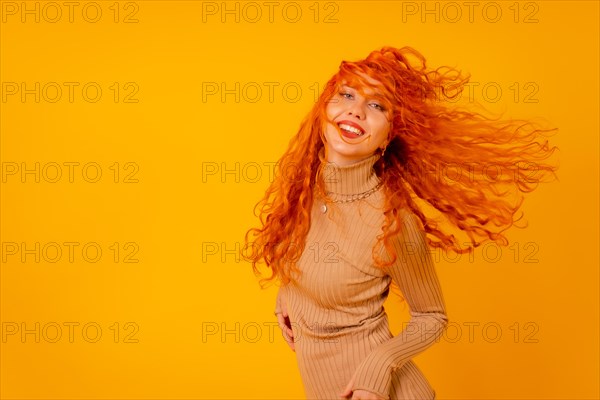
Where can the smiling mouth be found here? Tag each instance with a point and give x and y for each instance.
(351, 131)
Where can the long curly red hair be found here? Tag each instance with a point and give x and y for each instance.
(492, 161)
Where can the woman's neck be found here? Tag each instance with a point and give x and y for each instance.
(350, 179)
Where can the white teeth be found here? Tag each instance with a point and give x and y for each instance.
(351, 129)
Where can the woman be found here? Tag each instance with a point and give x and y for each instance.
(345, 218)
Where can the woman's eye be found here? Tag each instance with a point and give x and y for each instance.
(346, 95)
(378, 106)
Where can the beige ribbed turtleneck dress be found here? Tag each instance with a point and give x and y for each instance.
(336, 305)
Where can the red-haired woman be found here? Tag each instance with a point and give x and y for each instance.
(344, 219)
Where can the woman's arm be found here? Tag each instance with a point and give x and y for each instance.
(414, 272)
(283, 319)
(278, 302)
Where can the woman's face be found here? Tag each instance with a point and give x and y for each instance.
(360, 124)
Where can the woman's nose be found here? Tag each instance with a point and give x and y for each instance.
(357, 110)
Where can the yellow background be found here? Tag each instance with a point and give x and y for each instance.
(174, 211)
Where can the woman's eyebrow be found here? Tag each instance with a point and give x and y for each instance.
(372, 93)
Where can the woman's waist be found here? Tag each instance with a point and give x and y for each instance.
(331, 342)
(330, 329)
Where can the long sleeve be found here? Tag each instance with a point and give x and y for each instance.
(414, 272)
(278, 306)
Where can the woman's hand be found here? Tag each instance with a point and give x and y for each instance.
(365, 395)
(285, 324)
(359, 394)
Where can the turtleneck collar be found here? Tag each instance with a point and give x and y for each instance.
(343, 182)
